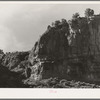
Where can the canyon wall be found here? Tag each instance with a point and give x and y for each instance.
(68, 50)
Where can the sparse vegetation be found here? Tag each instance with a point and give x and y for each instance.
(89, 12)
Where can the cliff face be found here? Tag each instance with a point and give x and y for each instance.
(94, 27)
(53, 55)
(94, 46)
(86, 44)
(52, 44)
(85, 37)
(68, 51)
(50, 52)
(79, 37)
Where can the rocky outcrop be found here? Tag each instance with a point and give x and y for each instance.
(53, 44)
(68, 50)
(12, 60)
(48, 56)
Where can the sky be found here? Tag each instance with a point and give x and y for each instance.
(21, 25)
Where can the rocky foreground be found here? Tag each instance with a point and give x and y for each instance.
(57, 83)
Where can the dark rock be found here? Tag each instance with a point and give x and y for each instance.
(68, 50)
(9, 79)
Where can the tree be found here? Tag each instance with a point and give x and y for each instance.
(53, 24)
(75, 16)
(89, 12)
(1, 51)
(57, 22)
(63, 21)
(49, 27)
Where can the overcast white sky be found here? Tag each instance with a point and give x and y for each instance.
(22, 24)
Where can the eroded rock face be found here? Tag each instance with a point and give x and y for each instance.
(53, 51)
(50, 51)
(53, 44)
(68, 51)
(79, 37)
(85, 42)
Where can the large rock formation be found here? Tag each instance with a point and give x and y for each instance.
(53, 44)
(52, 57)
(50, 53)
(68, 50)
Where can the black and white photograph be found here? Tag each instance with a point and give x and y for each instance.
(46, 45)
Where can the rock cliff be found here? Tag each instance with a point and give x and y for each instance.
(48, 56)
(68, 50)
